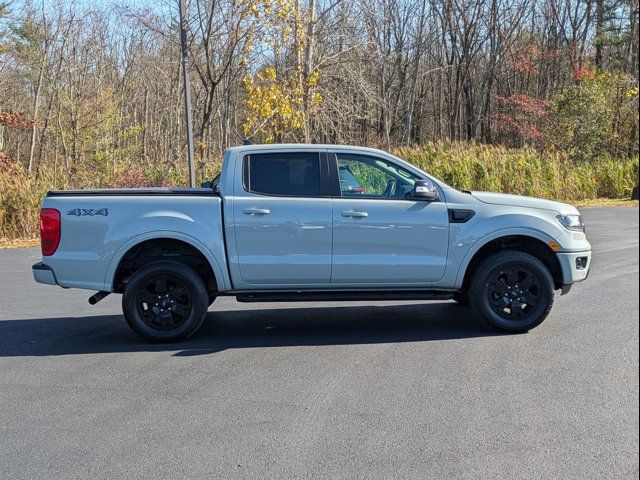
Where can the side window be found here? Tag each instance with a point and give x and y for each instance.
(289, 174)
(371, 177)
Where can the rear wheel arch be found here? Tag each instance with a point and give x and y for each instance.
(170, 249)
(519, 242)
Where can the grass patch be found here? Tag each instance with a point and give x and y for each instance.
(606, 202)
(19, 242)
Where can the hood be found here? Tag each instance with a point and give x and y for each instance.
(526, 202)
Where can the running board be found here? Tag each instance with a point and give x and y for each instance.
(339, 296)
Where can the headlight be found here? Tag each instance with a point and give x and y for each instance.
(572, 222)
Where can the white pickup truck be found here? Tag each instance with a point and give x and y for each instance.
(311, 222)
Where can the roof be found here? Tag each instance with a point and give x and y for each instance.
(309, 146)
(319, 146)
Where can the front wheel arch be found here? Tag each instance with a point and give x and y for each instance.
(523, 243)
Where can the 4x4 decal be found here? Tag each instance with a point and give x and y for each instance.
(82, 212)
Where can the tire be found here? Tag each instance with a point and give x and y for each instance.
(165, 302)
(461, 298)
(504, 283)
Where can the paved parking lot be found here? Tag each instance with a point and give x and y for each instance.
(369, 390)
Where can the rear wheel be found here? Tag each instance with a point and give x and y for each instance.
(512, 291)
(165, 302)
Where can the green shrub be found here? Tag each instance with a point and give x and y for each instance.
(598, 115)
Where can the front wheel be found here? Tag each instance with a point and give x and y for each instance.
(165, 302)
(512, 291)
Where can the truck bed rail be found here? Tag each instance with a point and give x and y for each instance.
(133, 192)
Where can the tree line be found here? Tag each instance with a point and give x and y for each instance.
(92, 90)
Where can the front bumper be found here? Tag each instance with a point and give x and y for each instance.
(44, 274)
(575, 266)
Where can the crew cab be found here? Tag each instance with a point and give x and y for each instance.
(311, 222)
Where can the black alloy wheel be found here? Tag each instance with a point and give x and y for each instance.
(165, 301)
(512, 291)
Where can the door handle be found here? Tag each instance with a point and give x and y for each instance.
(354, 213)
(256, 211)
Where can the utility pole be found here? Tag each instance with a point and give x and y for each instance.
(187, 92)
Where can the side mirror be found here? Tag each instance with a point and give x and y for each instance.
(425, 190)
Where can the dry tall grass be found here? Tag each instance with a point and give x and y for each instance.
(467, 166)
(524, 171)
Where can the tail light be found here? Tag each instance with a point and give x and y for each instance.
(49, 230)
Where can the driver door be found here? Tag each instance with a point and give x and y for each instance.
(381, 237)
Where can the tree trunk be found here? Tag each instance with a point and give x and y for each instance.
(406, 136)
(599, 33)
(308, 69)
(36, 104)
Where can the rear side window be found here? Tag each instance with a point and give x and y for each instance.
(289, 174)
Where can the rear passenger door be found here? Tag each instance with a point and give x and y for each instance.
(283, 220)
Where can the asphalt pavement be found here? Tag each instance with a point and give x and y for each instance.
(325, 390)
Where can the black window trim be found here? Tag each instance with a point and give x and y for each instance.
(335, 178)
(323, 167)
(334, 175)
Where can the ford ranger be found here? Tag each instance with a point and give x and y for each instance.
(311, 222)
